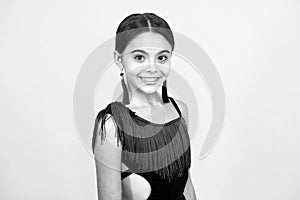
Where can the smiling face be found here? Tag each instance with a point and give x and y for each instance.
(147, 61)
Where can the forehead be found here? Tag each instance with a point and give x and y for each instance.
(149, 41)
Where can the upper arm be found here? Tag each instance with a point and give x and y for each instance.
(189, 191)
(108, 163)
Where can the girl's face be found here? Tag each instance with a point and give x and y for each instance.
(147, 61)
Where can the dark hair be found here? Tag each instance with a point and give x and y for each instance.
(135, 24)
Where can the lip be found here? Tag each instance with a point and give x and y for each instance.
(150, 83)
(149, 76)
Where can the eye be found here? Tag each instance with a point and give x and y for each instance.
(139, 58)
(162, 58)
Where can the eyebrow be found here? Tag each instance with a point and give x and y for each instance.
(142, 51)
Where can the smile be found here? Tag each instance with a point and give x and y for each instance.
(149, 80)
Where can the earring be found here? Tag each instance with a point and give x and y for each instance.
(125, 91)
(165, 92)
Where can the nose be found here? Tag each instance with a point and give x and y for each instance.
(152, 67)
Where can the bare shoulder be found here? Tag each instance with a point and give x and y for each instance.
(107, 148)
(183, 108)
(110, 130)
(108, 162)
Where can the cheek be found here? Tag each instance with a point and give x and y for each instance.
(165, 69)
(134, 68)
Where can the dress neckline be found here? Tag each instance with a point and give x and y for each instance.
(132, 113)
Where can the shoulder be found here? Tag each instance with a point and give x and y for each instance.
(105, 127)
(111, 115)
(110, 110)
(184, 112)
(181, 105)
(183, 108)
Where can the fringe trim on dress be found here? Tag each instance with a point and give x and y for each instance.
(162, 148)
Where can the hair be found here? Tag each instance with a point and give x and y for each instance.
(135, 24)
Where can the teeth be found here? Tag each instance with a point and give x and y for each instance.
(149, 79)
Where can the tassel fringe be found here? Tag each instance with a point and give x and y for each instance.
(163, 149)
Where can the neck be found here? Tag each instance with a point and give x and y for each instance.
(140, 99)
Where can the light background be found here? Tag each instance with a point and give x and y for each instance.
(254, 45)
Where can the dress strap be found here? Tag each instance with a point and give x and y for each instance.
(175, 105)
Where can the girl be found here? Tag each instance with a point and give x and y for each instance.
(140, 142)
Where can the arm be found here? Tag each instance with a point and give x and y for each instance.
(189, 191)
(108, 164)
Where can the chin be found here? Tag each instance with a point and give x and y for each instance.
(148, 90)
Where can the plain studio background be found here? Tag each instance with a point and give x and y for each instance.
(254, 45)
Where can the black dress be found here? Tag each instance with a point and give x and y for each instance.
(160, 153)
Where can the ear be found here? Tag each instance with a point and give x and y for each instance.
(118, 59)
